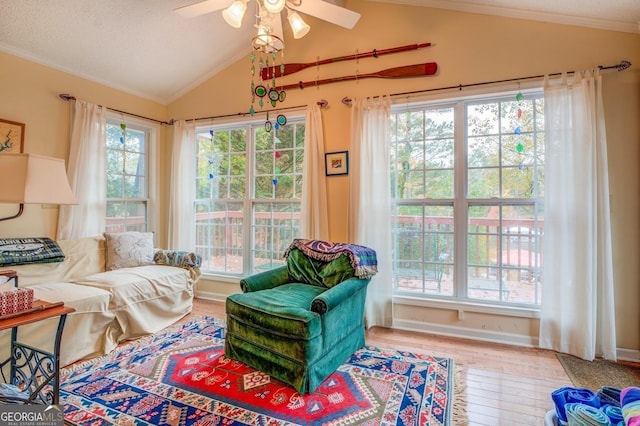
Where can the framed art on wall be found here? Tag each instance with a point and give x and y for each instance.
(336, 163)
(11, 137)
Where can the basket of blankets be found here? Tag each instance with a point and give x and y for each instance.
(608, 406)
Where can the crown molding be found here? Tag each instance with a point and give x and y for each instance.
(582, 21)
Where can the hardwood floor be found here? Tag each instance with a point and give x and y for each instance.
(499, 384)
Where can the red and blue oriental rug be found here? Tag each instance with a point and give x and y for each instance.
(180, 376)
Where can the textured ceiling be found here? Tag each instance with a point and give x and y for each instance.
(145, 48)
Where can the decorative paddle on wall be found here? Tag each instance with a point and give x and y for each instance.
(417, 70)
(286, 69)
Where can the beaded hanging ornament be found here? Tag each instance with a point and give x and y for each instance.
(518, 129)
(211, 162)
(267, 60)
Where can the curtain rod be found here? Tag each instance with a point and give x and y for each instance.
(322, 102)
(68, 97)
(623, 65)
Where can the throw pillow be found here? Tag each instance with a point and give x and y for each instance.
(127, 249)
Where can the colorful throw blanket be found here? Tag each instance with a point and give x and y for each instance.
(182, 259)
(362, 259)
(23, 251)
(630, 401)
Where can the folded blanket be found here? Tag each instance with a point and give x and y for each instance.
(630, 401)
(182, 259)
(585, 415)
(614, 413)
(567, 395)
(609, 395)
(23, 251)
(363, 259)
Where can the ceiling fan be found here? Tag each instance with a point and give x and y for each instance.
(268, 19)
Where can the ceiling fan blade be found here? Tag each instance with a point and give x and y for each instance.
(329, 12)
(202, 8)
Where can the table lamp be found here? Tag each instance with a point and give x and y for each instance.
(33, 179)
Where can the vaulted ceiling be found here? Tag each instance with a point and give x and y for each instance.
(145, 48)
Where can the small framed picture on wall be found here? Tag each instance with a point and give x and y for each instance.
(11, 137)
(336, 163)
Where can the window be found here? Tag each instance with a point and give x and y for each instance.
(467, 187)
(128, 182)
(248, 194)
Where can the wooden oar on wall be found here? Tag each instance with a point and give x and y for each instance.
(268, 72)
(417, 70)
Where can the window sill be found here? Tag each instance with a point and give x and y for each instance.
(231, 279)
(457, 305)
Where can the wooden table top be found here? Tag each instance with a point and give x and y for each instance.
(41, 310)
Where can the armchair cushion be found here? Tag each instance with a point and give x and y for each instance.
(283, 310)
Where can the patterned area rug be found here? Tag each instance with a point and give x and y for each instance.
(180, 376)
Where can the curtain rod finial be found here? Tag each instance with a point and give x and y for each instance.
(623, 65)
(66, 97)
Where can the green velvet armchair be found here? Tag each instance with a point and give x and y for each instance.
(300, 322)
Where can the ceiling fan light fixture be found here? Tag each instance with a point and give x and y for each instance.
(266, 41)
(234, 13)
(274, 6)
(299, 27)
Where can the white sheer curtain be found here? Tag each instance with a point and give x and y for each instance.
(314, 216)
(369, 221)
(87, 174)
(578, 314)
(182, 187)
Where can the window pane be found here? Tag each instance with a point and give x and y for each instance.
(264, 162)
(134, 187)
(237, 164)
(126, 216)
(504, 253)
(219, 237)
(275, 226)
(439, 183)
(483, 119)
(484, 183)
(423, 249)
(115, 186)
(483, 151)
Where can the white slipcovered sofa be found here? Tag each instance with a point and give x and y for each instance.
(114, 299)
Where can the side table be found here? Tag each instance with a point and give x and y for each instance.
(36, 370)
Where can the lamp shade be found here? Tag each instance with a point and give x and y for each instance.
(299, 27)
(34, 179)
(234, 13)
